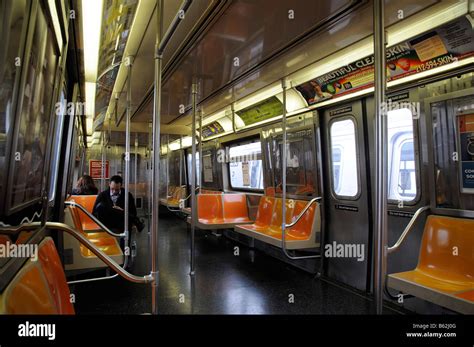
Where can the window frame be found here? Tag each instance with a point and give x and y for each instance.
(242, 143)
(57, 144)
(331, 173)
(416, 148)
(34, 12)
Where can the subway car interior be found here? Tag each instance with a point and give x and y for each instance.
(237, 157)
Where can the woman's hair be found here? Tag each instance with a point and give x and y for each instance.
(85, 183)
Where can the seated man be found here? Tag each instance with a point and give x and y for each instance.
(109, 206)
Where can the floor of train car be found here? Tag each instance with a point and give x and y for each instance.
(223, 283)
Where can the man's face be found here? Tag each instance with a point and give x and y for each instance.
(115, 187)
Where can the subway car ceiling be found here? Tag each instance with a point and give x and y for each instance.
(262, 135)
(319, 42)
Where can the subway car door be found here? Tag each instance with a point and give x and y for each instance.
(347, 202)
(405, 172)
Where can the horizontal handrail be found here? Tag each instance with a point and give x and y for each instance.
(94, 218)
(312, 201)
(92, 279)
(82, 239)
(408, 229)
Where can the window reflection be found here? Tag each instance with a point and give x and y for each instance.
(13, 26)
(34, 115)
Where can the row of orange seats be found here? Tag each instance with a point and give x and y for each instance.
(104, 241)
(269, 219)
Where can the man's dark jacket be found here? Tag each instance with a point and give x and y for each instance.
(113, 218)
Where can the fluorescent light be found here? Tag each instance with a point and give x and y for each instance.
(89, 125)
(215, 116)
(187, 141)
(174, 145)
(420, 23)
(260, 95)
(91, 25)
(340, 58)
(399, 32)
(91, 33)
(294, 101)
(90, 106)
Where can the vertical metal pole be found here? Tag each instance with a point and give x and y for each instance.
(181, 161)
(128, 62)
(102, 176)
(150, 175)
(193, 178)
(168, 159)
(107, 150)
(232, 108)
(83, 161)
(380, 156)
(156, 158)
(201, 114)
(136, 168)
(283, 170)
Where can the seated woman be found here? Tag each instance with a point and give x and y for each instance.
(85, 186)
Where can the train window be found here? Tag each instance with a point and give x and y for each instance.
(32, 137)
(13, 27)
(344, 163)
(56, 149)
(336, 166)
(300, 162)
(245, 166)
(401, 156)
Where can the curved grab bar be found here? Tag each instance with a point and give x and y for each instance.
(186, 198)
(94, 219)
(308, 205)
(82, 239)
(408, 228)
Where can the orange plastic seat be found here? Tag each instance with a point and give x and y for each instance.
(235, 208)
(105, 242)
(302, 229)
(178, 193)
(267, 226)
(220, 211)
(55, 277)
(265, 211)
(209, 209)
(445, 269)
(39, 287)
(86, 201)
(277, 219)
